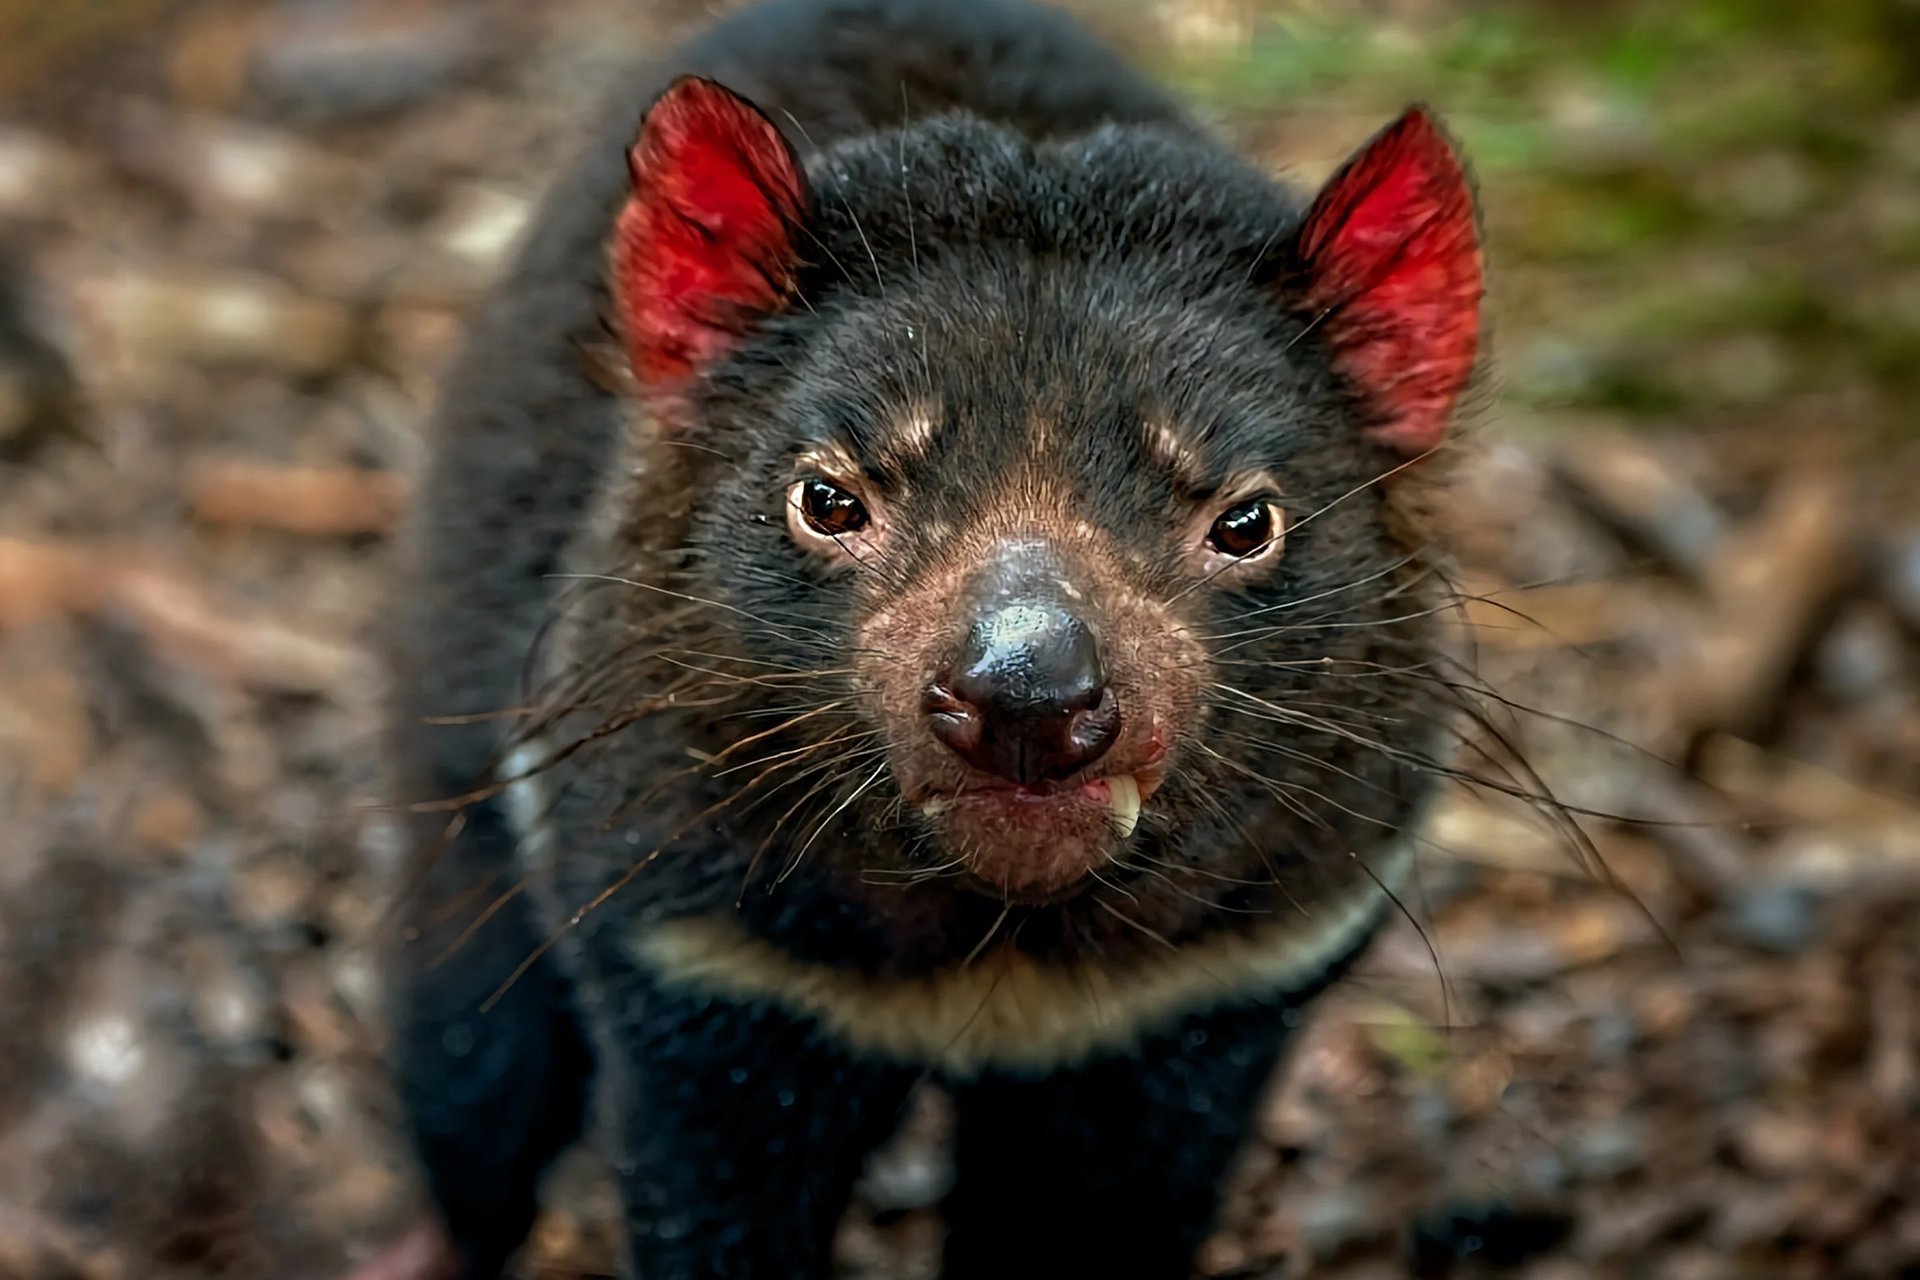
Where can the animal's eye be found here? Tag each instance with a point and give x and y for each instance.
(1245, 530)
(829, 511)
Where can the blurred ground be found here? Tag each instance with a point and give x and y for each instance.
(239, 240)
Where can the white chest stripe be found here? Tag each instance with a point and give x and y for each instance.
(1009, 1010)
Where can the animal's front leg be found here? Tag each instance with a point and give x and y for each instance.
(736, 1133)
(1111, 1167)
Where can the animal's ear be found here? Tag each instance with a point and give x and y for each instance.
(708, 240)
(1390, 252)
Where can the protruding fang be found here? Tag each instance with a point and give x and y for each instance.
(1123, 798)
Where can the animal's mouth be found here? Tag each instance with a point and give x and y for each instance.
(1034, 844)
(1120, 794)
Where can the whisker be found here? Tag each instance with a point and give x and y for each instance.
(770, 625)
(836, 812)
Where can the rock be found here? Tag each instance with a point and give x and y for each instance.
(341, 61)
(36, 174)
(1610, 1149)
(1600, 126)
(232, 171)
(1780, 916)
(1899, 575)
(1336, 1220)
(154, 318)
(480, 226)
(1862, 657)
(467, 247)
(1776, 1145)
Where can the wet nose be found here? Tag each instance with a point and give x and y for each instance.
(1027, 699)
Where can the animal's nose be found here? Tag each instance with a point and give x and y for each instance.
(1027, 699)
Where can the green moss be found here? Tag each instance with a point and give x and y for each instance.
(1707, 179)
(1397, 1035)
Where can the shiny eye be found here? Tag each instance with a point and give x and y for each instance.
(829, 511)
(1245, 530)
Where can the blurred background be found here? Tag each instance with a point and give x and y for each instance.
(237, 241)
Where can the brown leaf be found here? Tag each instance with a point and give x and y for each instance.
(317, 502)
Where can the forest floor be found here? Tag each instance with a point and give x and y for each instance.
(239, 242)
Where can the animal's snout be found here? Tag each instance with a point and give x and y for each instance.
(1026, 697)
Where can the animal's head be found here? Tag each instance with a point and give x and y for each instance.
(1049, 490)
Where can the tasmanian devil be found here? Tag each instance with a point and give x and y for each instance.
(916, 580)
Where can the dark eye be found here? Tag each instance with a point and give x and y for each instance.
(1245, 530)
(829, 511)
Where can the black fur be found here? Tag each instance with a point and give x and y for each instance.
(737, 1133)
(493, 1096)
(1051, 1182)
(1060, 244)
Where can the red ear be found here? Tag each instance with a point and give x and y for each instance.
(1392, 256)
(707, 241)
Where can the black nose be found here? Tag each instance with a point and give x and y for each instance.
(1028, 698)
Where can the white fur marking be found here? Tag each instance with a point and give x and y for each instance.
(1007, 1010)
(106, 1048)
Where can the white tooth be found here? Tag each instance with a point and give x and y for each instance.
(1123, 797)
(935, 807)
